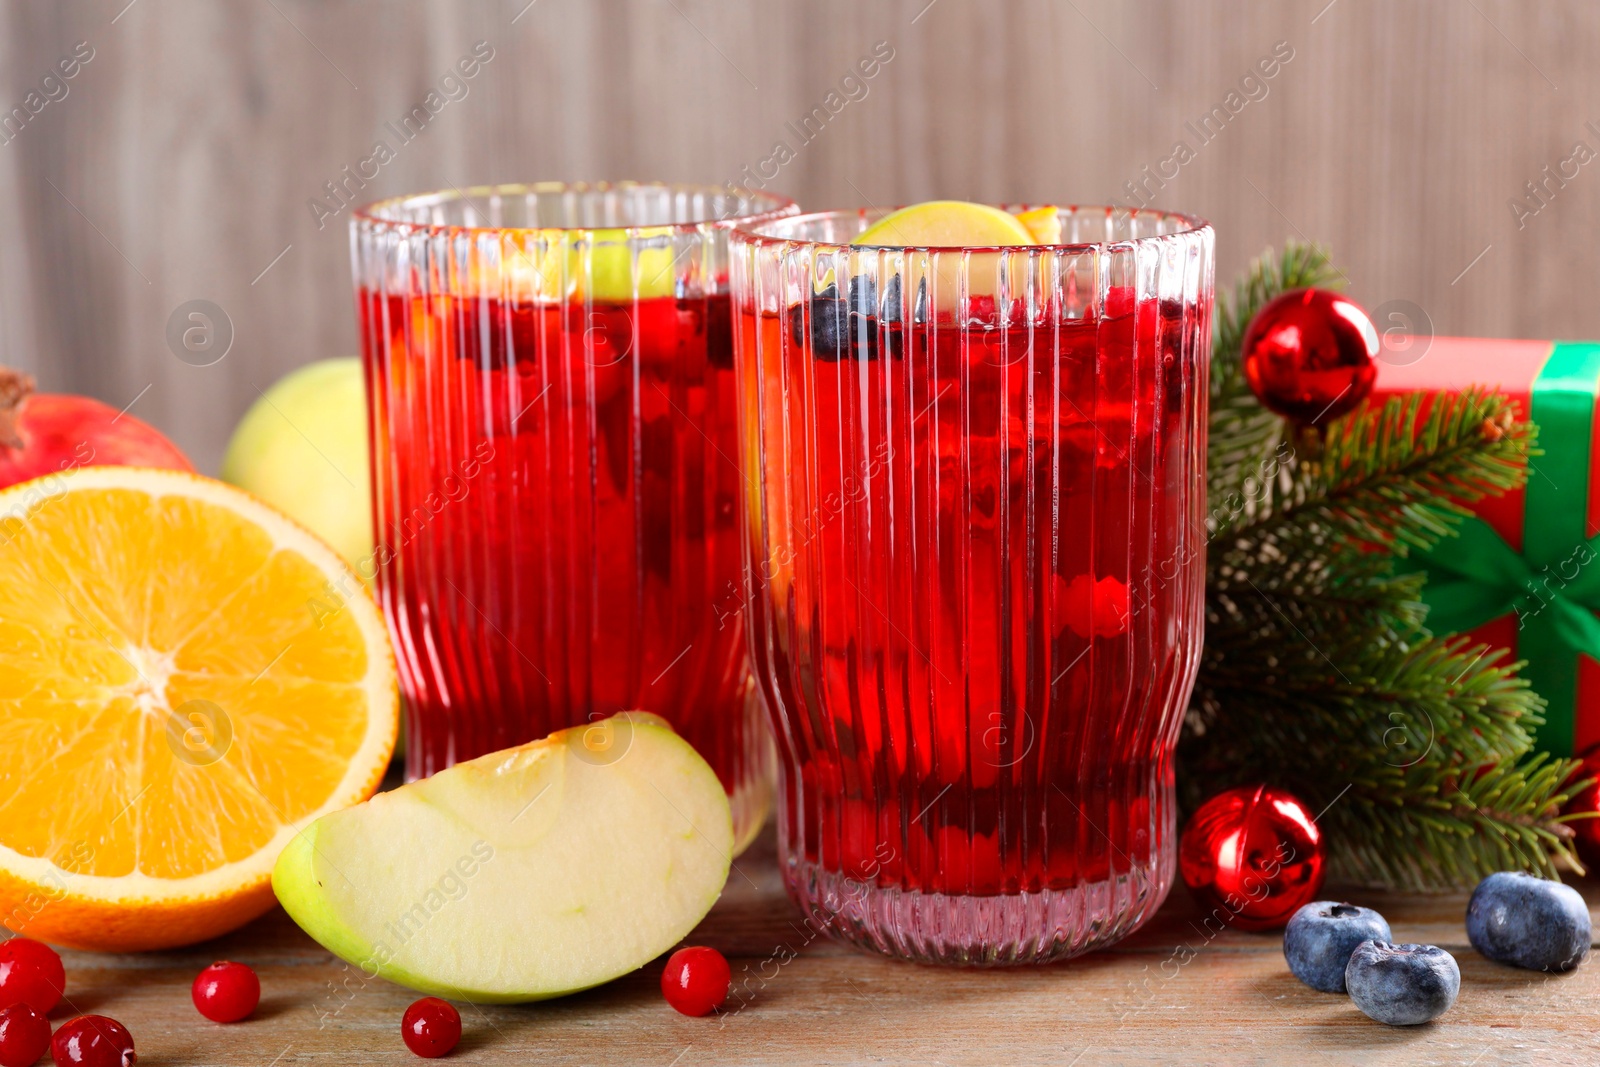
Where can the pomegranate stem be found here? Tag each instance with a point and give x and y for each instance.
(15, 387)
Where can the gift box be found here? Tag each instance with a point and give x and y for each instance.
(1525, 572)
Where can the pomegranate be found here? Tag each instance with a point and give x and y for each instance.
(42, 433)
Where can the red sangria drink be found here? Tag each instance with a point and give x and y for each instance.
(554, 449)
(974, 518)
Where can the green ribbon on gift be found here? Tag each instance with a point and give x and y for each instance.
(1478, 577)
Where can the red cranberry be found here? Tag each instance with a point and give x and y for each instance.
(92, 1041)
(24, 1035)
(226, 992)
(431, 1027)
(696, 980)
(31, 974)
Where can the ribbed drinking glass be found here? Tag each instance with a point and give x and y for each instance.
(975, 485)
(550, 383)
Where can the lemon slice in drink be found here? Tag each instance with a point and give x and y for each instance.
(946, 223)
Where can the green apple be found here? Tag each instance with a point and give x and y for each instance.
(610, 266)
(949, 223)
(945, 223)
(302, 447)
(524, 874)
(614, 258)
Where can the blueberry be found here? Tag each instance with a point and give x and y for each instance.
(1321, 936)
(836, 332)
(864, 296)
(864, 299)
(893, 312)
(891, 300)
(1402, 985)
(1528, 922)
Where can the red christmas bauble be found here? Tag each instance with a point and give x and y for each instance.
(1586, 832)
(1252, 856)
(1309, 355)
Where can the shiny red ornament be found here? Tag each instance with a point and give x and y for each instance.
(1252, 856)
(1310, 355)
(1586, 832)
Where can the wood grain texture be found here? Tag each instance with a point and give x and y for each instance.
(1226, 1000)
(183, 157)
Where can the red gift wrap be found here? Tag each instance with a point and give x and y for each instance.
(1525, 572)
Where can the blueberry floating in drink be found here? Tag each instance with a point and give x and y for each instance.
(864, 295)
(835, 330)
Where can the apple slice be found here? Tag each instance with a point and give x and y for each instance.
(936, 223)
(950, 224)
(524, 874)
(610, 266)
(615, 258)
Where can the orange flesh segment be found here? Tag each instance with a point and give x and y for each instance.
(101, 638)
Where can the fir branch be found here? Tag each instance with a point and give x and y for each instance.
(1424, 785)
(1353, 714)
(1243, 433)
(1325, 587)
(1317, 674)
(1440, 827)
(1399, 475)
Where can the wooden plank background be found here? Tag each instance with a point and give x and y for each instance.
(180, 162)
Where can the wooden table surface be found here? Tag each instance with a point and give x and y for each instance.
(1228, 1001)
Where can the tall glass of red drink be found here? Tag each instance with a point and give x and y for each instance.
(550, 383)
(975, 483)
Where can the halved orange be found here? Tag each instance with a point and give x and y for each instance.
(187, 679)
